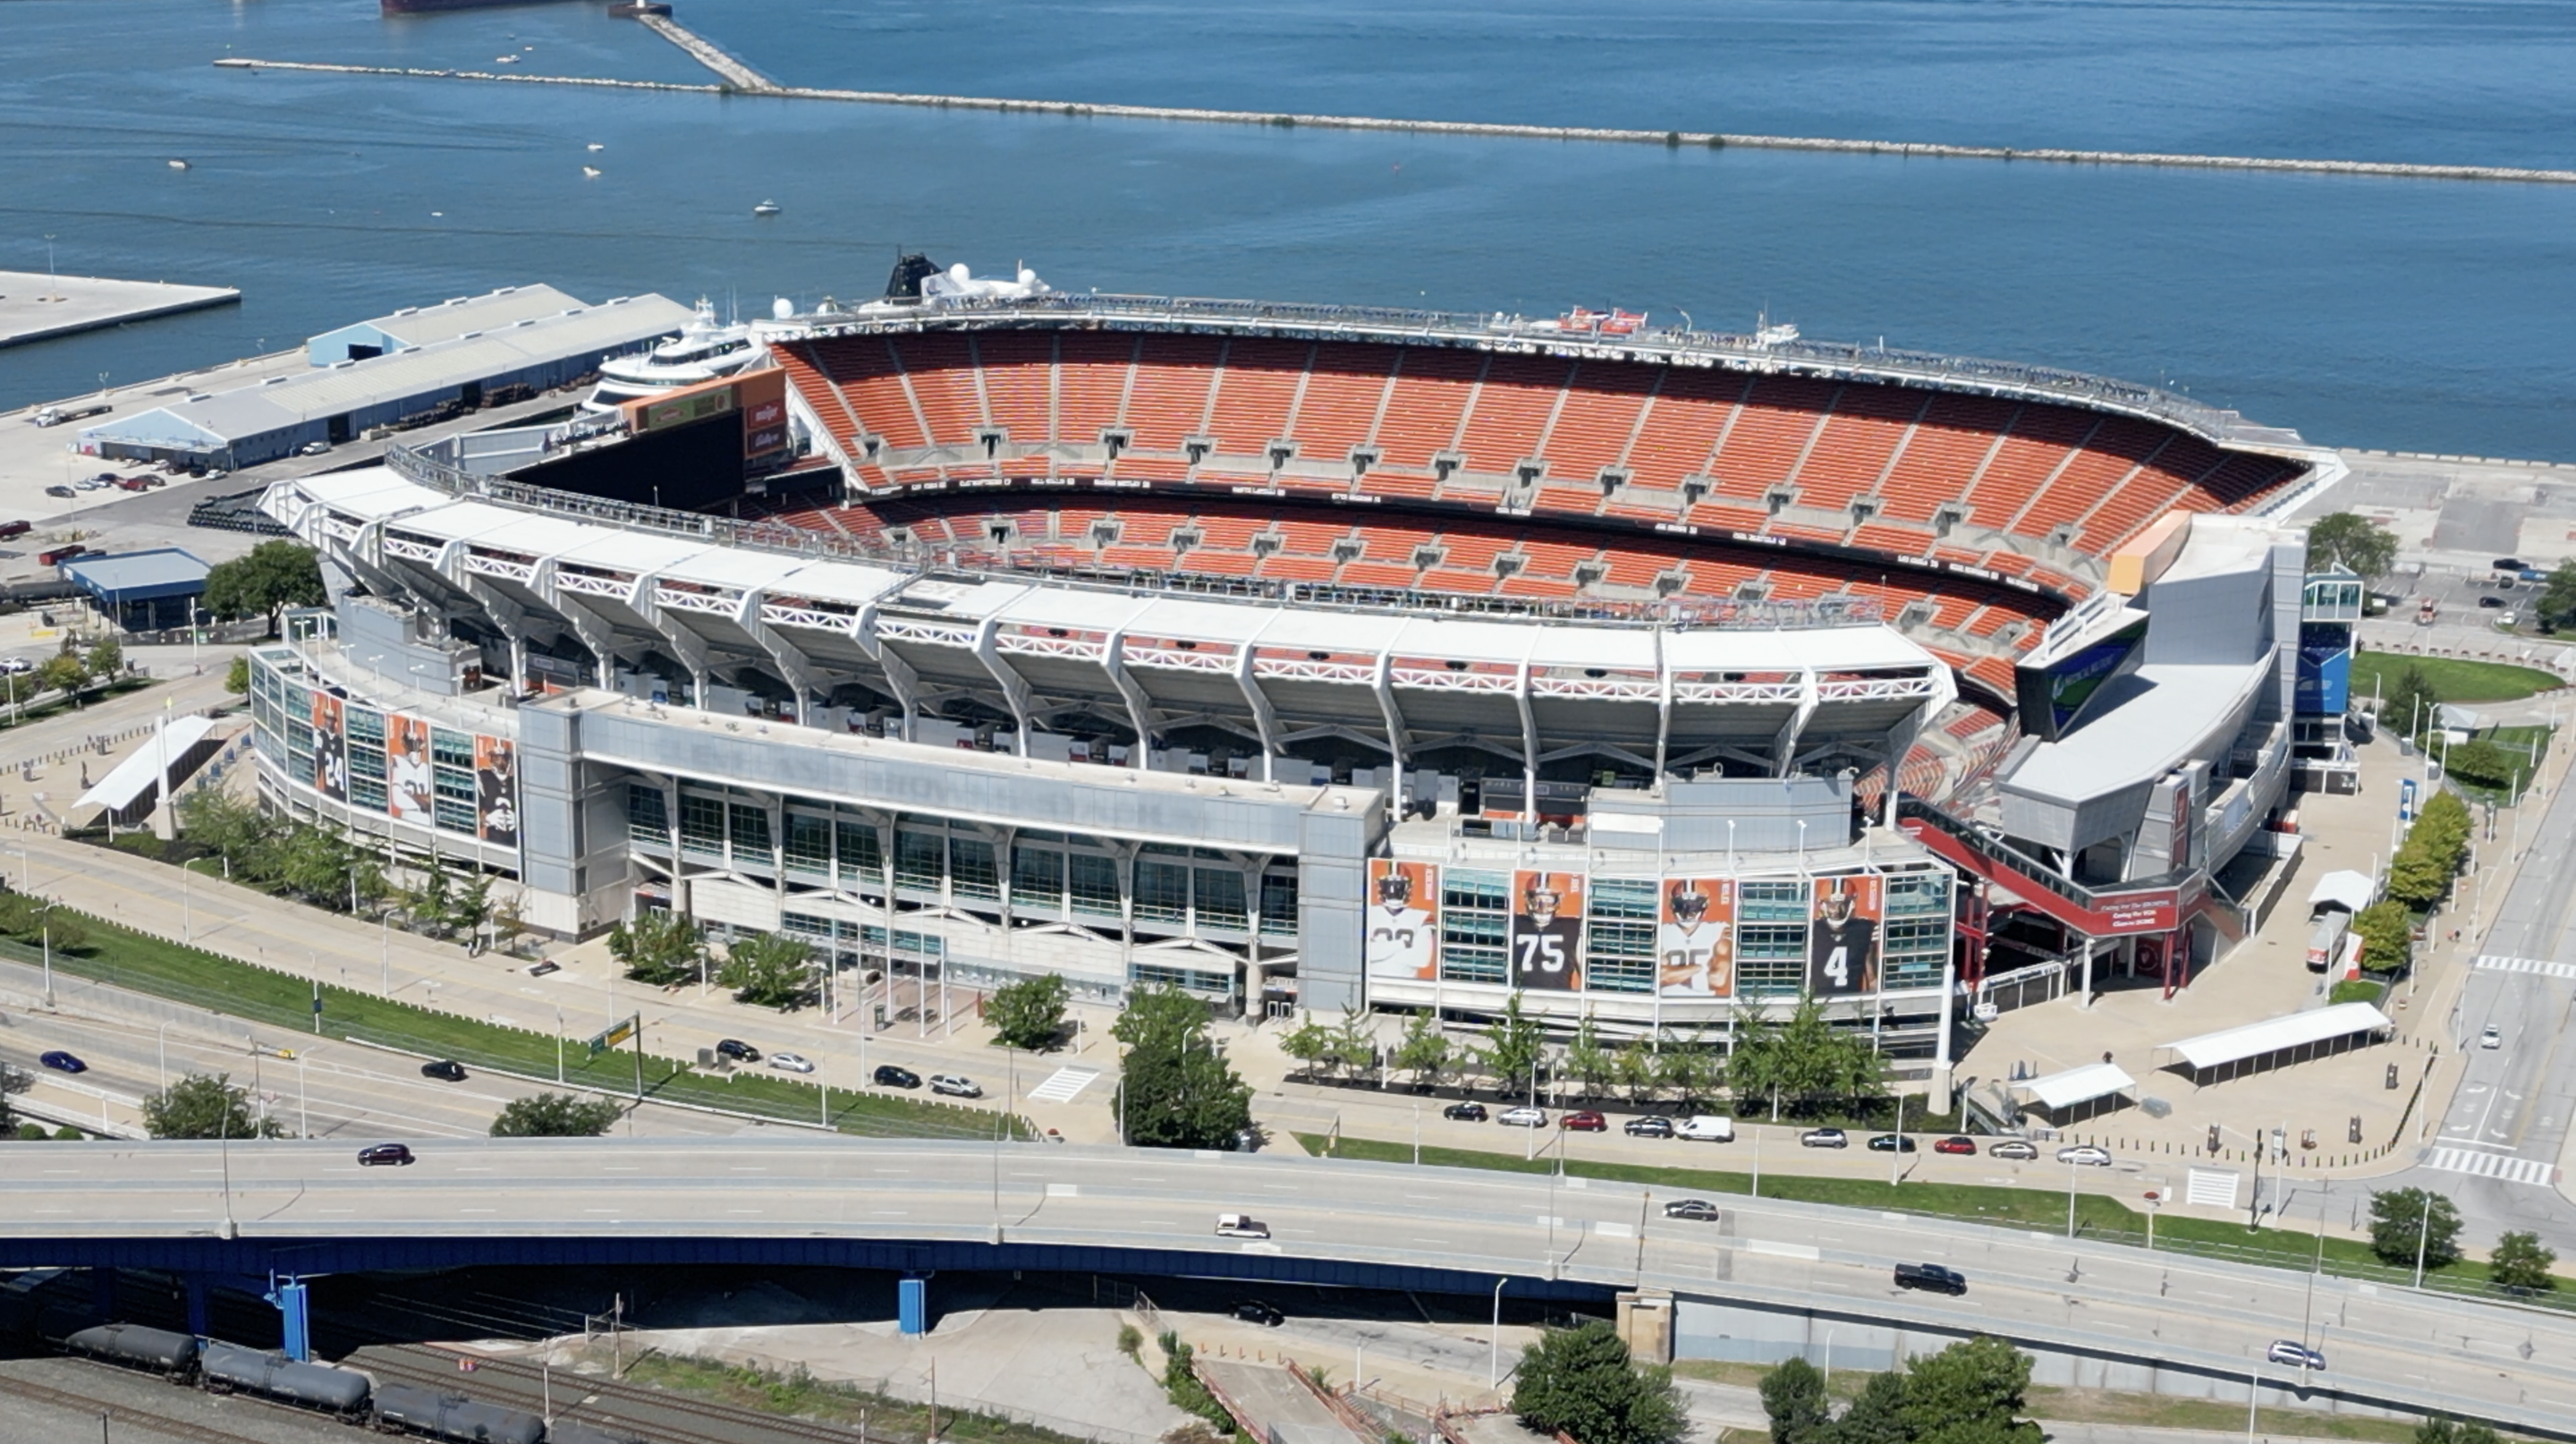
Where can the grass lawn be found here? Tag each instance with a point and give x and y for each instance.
(128, 959)
(2101, 1406)
(799, 1395)
(2097, 1217)
(2453, 679)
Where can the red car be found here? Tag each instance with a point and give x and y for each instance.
(1584, 1120)
(1955, 1143)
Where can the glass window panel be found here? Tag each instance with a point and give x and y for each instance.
(809, 845)
(1162, 891)
(453, 749)
(702, 825)
(861, 860)
(1037, 877)
(645, 817)
(749, 829)
(972, 873)
(1220, 898)
(920, 858)
(1094, 884)
(1279, 904)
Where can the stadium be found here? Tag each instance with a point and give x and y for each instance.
(1325, 657)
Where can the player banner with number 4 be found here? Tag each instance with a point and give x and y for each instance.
(1842, 939)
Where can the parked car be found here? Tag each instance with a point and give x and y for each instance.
(1824, 1138)
(16, 666)
(62, 1062)
(1523, 1117)
(1931, 1276)
(955, 1085)
(539, 970)
(1890, 1143)
(1706, 1128)
(2490, 600)
(1258, 1311)
(2086, 1154)
(1692, 1208)
(10, 529)
(1653, 1126)
(1240, 1225)
(58, 489)
(790, 1063)
(2509, 564)
(445, 1070)
(2019, 1149)
(376, 1153)
(1584, 1120)
(1465, 1112)
(2294, 1354)
(1955, 1143)
(890, 1076)
(2491, 1037)
(314, 448)
(738, 1050)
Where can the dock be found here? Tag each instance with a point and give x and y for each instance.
(35, 306)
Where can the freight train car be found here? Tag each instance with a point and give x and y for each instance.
(157, 1351)
(409, 1409)
(223, 1368)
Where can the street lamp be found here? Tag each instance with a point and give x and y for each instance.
(1494, 1365)
(45, 922)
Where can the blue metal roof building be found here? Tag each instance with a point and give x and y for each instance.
(143, 591)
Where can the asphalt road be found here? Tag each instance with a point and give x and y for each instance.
(2515, 1365)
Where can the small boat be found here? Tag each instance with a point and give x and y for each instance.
(591, 171)
(596, 146)
(178, 165)
(765, 208)
(505, 60)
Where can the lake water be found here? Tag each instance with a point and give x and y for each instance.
(2407, 314)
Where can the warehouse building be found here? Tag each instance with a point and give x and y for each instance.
(340, 401)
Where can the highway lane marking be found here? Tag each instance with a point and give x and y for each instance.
(904, 1170)
(1278, 1188)
(1615, 1230)
(742, 1210)
(1423, 1197)
(72, 1171)
(889, 1213)
(1806, 1251)
(478, 1210)
(1064, 1190)
(748, 1168)
(603, 1210)
(619, 1168)
(474, 1169)
(1440, 1242)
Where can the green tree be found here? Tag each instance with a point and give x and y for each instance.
(658, 947)
(237, 676)
(1175, 1089)
(2387, 942)
(2558, 596)
(2405, 1219)
(1969, 1393)
(1877, 1416)
(12, 1081)
(220, 823)
(1688, 1069)
(1424, 1051)
(1583, 1382)
(31, 919)
(2355, 543)
(2522, 1261)
(2411, 706)
(199, 1106)
(1029, 1012)
(273, 576)
(1804, 1060)
(1355, 1048)
(106, 658)
(2442, 1430)
(1587, 1062)
(1639, 1073)
(770, 970)
(63, 673)
(1514, 1049)
(1309, 1044)
(2483, 762)
(555, 1115)
(1793, 1395)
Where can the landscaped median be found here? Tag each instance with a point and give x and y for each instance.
(2097, 1217)
(119, 956)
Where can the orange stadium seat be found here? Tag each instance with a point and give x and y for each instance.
(1768, 440)
(1432, 385)
(1942, 455)
(1855, 445)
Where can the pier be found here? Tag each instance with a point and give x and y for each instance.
(707, 53)
(34, 306)
(1671, 139)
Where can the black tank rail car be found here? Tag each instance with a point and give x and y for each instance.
(345, 1394)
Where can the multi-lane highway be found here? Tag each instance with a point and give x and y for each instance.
(2517, 1366)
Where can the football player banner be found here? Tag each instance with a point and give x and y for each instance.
(1403, 919)
(1695, 938)
(1842, 940)
(330, 749)
(408, 780)
(496, 790)
(1547, 931)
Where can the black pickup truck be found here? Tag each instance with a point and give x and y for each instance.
(1931, 1276)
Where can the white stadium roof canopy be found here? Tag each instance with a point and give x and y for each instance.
(2274, 1035)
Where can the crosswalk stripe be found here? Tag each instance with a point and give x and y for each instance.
(2488, 1165)
(1063, 1084)
(2498, 964)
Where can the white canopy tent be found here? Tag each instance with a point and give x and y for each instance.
(2311, 1029)
(2351, 891)
(136, 780)
(2054, 1091)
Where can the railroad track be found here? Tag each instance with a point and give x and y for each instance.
(121, 1414)
(660, 1415)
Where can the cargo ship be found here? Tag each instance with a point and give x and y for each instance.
(420, 7)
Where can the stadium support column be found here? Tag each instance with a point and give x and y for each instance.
(687, 645)
(1264, 717)
(1786, 743)
(1663, 711)
(596, 635)
(1900, 741)
(791, 660)
(1382, 681)
(1140, 709)
(507, 617)
(1015, 688)
(1529, 745)
(1941, 1061)
(900, 678)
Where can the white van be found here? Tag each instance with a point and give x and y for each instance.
(1707, 1128)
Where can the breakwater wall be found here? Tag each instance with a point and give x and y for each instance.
(1673, 139)
(707, 53)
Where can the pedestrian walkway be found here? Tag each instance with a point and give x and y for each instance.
(1063, 1084)
(2493, 1165)
(2527, 965)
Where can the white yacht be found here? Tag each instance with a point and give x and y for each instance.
(704, 351)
